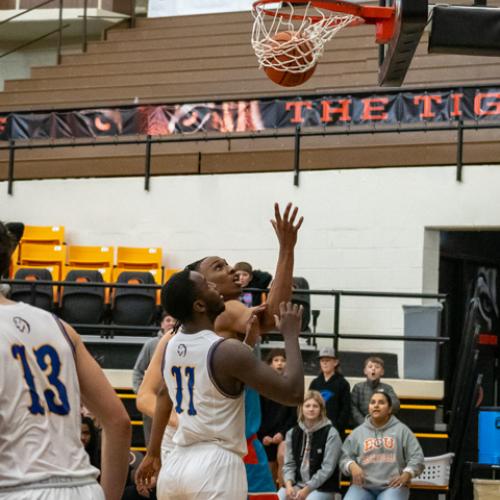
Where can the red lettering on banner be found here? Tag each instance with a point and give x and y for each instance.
(493, 108)
(297, 109)
(370, 108)
(428, 100)
(343, 110)
(456, 101)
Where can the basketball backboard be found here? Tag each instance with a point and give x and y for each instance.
(410, 20)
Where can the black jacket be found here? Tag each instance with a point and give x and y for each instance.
(276, 418)
(260, 279)
(337, 394)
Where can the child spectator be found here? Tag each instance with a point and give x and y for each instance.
(249, 278)
(334, 389)
(312, 454)
(382, 455)
(362, 392)
(277, 419)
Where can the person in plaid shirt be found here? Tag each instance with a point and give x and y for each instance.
(363, 391)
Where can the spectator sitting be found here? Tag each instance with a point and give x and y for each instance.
(334, 389)
(277, 419)
(90, 440)
(143, 360)
(252, 279)
(312, 454)
(362, 392)
(382, 455)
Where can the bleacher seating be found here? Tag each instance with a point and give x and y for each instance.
(40, 296)
(134, 306)
(44, 249)
(83, 304)
(43, 234)
(90, 257)
(44, 255)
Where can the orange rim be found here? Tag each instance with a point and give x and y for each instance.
(382, 17)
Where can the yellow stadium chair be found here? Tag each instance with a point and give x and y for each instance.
(90, 257)
(14, 260)
(32, 253)
(169, 273)
(43, 234)
(139, 258)
(44, 256)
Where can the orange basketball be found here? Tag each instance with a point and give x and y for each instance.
(295, 55)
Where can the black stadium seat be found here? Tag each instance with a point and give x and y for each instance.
(134, 306)
(42, 296)
(303, 299)
(83, 304)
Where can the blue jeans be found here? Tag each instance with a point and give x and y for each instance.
(314, 495)
(359, 493)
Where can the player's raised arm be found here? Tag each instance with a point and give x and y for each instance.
(286, 227)
(234, 363)
(100, 398)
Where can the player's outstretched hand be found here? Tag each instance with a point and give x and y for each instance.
(252, 331)
(290, 319)
(148, 471)
(285, 227)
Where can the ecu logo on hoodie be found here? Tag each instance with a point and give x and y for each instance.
(370, 444)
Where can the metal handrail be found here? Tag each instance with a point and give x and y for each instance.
(60, 27)
(25, 11)
(31, 42)
(296, 133)
(336, 294)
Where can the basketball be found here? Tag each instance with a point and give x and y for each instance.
(292, 57)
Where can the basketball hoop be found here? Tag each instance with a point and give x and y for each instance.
(310, 26)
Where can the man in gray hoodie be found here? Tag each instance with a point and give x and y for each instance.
(382, 455)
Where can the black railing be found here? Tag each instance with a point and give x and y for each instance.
(61, 26)
(335, 334)
(297, 134)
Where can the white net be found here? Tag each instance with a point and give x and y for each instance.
(290, 37)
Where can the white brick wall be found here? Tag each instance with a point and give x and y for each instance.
(373, 229)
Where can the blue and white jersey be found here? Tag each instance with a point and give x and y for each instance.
(205, 414)
(40, 422)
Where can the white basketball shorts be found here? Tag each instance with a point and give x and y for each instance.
(85, 492)
(203, 471)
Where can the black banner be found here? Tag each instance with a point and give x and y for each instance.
(476, 103)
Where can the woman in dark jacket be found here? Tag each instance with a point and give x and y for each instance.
(312, 454)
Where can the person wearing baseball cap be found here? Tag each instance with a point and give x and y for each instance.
(334, 388)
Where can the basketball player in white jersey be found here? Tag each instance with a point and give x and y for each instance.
(44, 372)
(233, 321)
(205, 375)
